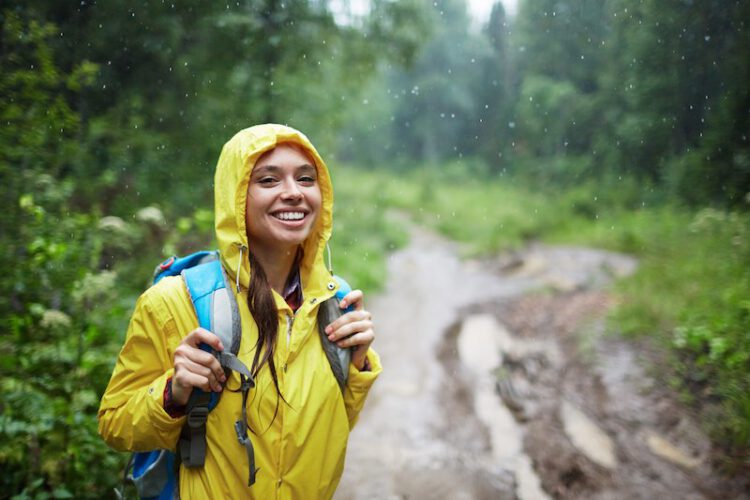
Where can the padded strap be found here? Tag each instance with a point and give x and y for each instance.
(217, 311)
(328, 312)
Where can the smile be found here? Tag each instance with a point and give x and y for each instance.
(289, 216)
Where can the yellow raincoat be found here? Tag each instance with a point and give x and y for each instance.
(299, 453)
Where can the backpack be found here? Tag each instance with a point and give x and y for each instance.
(154, 473)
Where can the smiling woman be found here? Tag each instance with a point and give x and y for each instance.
(274, 209)
(283, 204)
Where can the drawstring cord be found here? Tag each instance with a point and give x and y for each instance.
(239, 266)
(330, 266)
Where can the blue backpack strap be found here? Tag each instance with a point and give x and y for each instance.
(173, 266)
(217, 311)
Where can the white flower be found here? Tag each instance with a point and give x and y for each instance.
(52, 318)
(94, 286)
(151, 215)
(112, 223)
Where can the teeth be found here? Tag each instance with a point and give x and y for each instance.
(290, 215)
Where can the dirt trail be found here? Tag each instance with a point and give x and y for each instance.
(497, 383)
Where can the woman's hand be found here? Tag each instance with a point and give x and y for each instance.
(194, 367)
(353, 329)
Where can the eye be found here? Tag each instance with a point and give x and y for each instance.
(307, 179)
(267, 180)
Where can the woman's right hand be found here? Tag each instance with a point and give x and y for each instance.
(194, 367)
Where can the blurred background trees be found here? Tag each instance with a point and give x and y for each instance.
(113, 115)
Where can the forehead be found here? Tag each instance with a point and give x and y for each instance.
(285, 155)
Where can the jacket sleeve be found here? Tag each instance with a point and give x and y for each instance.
(358, 386)
(131, 414)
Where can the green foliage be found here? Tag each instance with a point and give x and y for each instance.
(363, 233)
(56, 343)
(692, 292)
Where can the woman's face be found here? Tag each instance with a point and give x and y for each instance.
(283, 200)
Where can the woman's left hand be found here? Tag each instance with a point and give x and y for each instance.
(353, 329)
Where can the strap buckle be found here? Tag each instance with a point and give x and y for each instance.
(241, 430)
(197, 417)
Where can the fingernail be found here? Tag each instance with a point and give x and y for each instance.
(330, 337)
(343, 303)
(328, 329)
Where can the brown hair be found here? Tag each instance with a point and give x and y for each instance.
(263, 309)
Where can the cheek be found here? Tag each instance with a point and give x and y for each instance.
(252, 210)
(315, 198)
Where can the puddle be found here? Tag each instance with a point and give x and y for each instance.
(482, 343)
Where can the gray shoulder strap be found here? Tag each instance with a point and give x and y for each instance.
(338, 358)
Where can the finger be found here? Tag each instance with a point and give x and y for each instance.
(348, 318)
(204, 371)
(355, 297)
(202, 336)
(363, 338)
(350, 329)
(189, 379)
(203, 358)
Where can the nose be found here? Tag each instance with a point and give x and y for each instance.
(291, 191)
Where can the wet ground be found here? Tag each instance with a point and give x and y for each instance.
(499, 382)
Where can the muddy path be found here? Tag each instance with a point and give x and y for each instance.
(499, 382)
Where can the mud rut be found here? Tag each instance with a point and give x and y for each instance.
(499, 383)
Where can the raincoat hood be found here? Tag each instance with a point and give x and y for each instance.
(237, 159)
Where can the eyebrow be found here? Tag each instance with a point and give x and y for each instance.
(305, 167)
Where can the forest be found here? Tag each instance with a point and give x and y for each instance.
(617, 124)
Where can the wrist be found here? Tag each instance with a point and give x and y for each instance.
(364, 366)
(172, 407)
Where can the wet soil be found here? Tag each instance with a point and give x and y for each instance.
(500, 381)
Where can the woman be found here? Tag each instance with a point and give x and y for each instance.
(274, 203)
